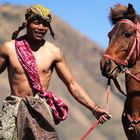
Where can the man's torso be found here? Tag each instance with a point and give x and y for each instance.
(19, 84)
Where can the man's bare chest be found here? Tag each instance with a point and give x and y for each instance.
(43, 59)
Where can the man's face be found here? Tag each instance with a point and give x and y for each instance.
(37, 29)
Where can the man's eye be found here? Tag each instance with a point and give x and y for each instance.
(36, 23)
(46, 24)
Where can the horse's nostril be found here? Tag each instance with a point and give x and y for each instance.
(107, 63)
(106, 68)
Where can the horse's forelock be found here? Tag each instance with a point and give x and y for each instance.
(117, 12)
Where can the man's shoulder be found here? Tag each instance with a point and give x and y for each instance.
(54, 50)
(7, 45)
(49, 44)
(52, 47)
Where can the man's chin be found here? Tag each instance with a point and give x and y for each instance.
(38, 38)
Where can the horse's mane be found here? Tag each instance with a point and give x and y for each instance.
(118, 12)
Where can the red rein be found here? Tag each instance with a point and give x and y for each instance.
(96, 123)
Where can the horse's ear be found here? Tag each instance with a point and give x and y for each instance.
(131, 14)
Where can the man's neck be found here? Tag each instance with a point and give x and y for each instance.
(34, 44)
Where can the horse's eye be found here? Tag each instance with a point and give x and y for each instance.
(124, 49)
(127, 34)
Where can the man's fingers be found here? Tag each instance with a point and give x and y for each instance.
(104, 118)
(108, 116)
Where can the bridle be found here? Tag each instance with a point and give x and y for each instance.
(134, 52)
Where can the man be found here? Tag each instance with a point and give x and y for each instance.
(30, 112)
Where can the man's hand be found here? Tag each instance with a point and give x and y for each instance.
(101, 114)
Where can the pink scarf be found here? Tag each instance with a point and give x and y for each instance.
(28, 62)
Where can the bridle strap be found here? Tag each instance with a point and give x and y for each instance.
(131, 74)
(129, 22)
(118, 86)
(124, 63)
(132, 52)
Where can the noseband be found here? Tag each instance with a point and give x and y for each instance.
(135, 49)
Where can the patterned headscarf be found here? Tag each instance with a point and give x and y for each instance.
(39, 10)
(35, 12)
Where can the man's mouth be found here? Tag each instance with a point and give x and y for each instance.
(39, 33)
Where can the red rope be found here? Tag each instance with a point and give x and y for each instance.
(96, 123)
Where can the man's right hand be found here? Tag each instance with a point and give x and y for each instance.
(101, 114)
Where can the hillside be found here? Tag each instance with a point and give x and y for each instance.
(83, 56)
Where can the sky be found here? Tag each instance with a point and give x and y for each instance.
(90, 17)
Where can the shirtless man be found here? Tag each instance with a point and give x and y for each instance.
(37, 24)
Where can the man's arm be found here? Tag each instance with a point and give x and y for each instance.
(3, 57)
(76, 90)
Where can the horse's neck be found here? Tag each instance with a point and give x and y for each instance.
(133, 91)
(136, 67)
(132, 84)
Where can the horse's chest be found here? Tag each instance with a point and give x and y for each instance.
(133, 84)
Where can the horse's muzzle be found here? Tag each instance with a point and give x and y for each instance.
(105, 67)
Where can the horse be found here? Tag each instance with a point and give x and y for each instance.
(123, 56)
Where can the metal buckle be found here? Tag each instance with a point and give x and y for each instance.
(132, 125)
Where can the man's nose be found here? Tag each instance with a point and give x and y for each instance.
(40, 26)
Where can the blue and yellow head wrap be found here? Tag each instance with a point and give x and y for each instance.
(34, 12)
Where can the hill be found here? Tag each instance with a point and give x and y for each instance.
(83, 56)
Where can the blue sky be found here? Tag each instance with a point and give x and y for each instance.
(90, 17)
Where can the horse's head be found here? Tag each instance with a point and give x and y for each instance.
(123, 49)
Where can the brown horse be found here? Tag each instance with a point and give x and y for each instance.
(123, 56)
